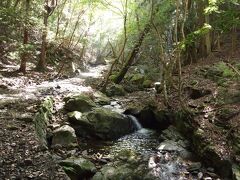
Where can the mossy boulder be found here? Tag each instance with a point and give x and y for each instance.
(137, 79)
(102, 123)
(221, 73)
(78, 168)
(101, 99)
(64, 136)
(147, 83)
(115, 90)
(42, 118)
(81, 103)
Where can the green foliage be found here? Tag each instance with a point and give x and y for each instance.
(194, 36)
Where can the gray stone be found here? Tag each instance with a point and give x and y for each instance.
(169, 145)
(64, 136)
(177, 147)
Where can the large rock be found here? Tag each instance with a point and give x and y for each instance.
(82, 103)
(78, 168)
(64, 136)
(102, 123)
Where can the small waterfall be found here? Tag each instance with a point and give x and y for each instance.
(135, 122)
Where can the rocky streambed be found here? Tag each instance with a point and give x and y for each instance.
(96, 140)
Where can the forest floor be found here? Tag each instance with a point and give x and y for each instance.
(22, 157)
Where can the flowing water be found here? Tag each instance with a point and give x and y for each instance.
(136, 124)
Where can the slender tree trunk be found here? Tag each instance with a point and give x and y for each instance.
(201, 20)
(59, 19)
(234, 39)
(66, 25)
(75, 27)
(133, 54)
(41, 66)
(49, 9)
(178, 51)
(208, 37)
(24, 55)
(218, 41)
(121, 52)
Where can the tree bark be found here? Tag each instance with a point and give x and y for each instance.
(208, 37)
(105, 83)
(24, 55)
(49, 8)
(59, 18)
(41, 66)
(133, 54)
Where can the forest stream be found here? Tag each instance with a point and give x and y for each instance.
(120, 90)
(143, 153)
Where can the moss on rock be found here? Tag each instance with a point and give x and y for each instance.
(42, 118)
(82, 103)
(78, 168)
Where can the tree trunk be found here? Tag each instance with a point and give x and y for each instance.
(75, 27)
(201, 20)
(49, 9)
(234, 40)
(41, 66)
(105, 83)
(24, 55)
(133, 54)
(59, 18)
(208, 37)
